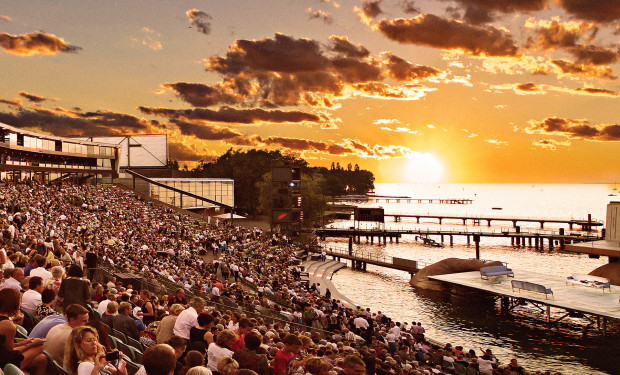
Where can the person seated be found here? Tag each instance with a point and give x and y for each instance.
(84, 355)
(124, 323)
(45, 309)
(26, 354)
(110, 312)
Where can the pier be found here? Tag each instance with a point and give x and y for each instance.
(517, 238)
(582, 301)
(360, 259)
(401, 199)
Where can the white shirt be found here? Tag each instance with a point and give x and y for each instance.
(215, 353)
(186, 320)
(42, 273)
(103, 306)
(31, 300)
(215, 291)
(360, 322)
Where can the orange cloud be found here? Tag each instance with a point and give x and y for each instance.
(33, 43)
(32, 97)
(575, 129)
(448, 34)
(569, 67)
(593, 10)
(402, 70)
(550, 144)
(326, 17)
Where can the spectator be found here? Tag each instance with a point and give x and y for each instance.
(32, 297)
(73, 289)
(281, 366)
(159, 360)
(85, 355)
(57, 337)
(45, 309)
(220, 348)
(227, 366)
(124, 323)
(248, 357)
(166, 326)
(40, 271)
(110, 313)
(188, 318)
(15, 280)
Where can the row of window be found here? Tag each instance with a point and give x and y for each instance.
(219, 191)
(16, 139)
(103, 164)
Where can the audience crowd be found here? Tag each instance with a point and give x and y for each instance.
(231, 282)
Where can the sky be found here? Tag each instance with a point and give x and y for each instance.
(497, 91)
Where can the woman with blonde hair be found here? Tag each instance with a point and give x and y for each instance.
(227, 366)
(220, 348)
(57, 274)
(84, 355)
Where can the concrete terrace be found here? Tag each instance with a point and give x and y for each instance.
(322, 272)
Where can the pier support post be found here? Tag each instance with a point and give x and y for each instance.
(397, 237)
(451, 240)
(488, 222)
(514, 223)
(468, 240)
(350, 246)
(442, 238)
(477, 242)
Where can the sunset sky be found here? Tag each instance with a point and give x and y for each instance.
(415, 91)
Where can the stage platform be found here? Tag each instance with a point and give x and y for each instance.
(585, 299)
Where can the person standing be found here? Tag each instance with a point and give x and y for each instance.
(73, 289)
(188, 318)
(91, 262)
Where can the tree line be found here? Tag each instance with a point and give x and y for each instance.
(251, 170)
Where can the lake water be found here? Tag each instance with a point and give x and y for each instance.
(474, 323)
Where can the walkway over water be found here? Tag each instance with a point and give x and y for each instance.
(360, 259)
(401, 199)
(517, 238)
(570, 298)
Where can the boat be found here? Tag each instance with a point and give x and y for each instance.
(428, 241)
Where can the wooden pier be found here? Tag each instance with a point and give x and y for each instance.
(360, 259)
(517, 238)
(401, 199)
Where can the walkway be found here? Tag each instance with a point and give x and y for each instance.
(322, 272)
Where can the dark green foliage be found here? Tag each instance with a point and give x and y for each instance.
(247, 168)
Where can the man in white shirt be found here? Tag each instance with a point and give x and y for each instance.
(57, 337)
(40, 270)
(360, 322)
(103, 305)
(15, 281)
(188, 318)
(32, 297)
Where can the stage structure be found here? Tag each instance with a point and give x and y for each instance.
(27, 154)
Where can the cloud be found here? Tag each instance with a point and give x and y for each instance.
(32, 43)
(554, 34)
(204, 131)
(448, 34)
(370, 10)
(385, 121)
(348, 146)
(550, 144)
(150, 39)
(380, 90)
(286, 71)
(592, 10)
(408, 6)
(201, 95)
(13, 102)
(569, 67)
(595, 91)
(402, 70)
(326, 17)
(32, 97)
(238, 116)
(200, 19)
(4, 18)
(497, 142)
(529, 87)
(181, 152)
(400, 130)
(575, 129)
(482, 11)
(63, 122)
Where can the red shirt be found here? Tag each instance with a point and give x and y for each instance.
(283, 361)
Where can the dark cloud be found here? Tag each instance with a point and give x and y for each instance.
(594, 55)
(554, 34)
(402, 70)
(592, 10)
(482, 11)
(433, 31)
(550, 144)
(354, 70)
(282, 54)
(575, 129)
(408, 6)
(13, 102)
(342, 45)
(69, 123)
(236, 116)
(326, 17)
(201, 95)
(528, 87)
(180, 152)
(33, 43)
(205, 132)
(568, 67)
(371, 8)
(32, 97)
(200, 19)
(594, 91)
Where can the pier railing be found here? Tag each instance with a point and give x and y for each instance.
(339, 251)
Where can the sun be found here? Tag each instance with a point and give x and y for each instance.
(423, 167)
